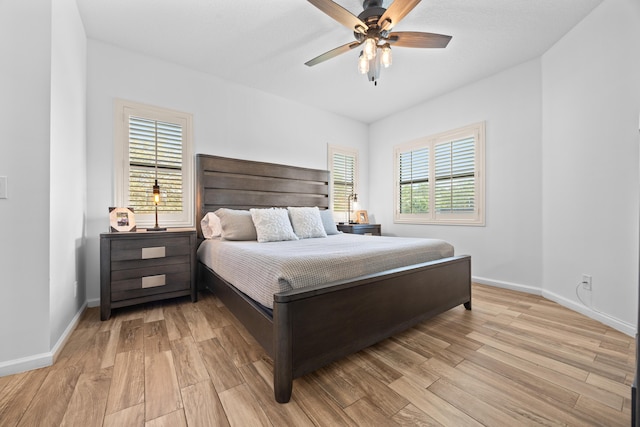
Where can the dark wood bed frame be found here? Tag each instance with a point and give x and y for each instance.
(314, 326)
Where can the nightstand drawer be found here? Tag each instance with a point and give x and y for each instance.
(137, 249)
(366, 229)
(141, 286)
(142, 271)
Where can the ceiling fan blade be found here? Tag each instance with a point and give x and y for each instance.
(395, 13)
(332, 53)
(417, 39)
(341, 15)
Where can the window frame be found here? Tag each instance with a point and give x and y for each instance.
(332, 150)
(474, 218)
(122, 110)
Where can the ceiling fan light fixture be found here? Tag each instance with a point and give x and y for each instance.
(363, 64)
(372, 31)
(370, 47)
(386, 57)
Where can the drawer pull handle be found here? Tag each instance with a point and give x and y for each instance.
(157, 252)
(153, 281)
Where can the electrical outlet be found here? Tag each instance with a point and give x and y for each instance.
(75, 289)
(586, 282)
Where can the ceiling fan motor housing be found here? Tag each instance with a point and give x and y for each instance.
(366, 4)
(370, 16)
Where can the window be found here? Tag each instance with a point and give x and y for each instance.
(343, 165)
(439, 178)
(154, 143)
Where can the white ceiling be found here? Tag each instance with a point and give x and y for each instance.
(264, 44)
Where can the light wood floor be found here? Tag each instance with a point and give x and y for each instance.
(515, 359)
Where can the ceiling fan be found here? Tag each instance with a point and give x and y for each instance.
(372, 31)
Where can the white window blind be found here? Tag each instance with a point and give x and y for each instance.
(154, 143)
(455, 176)
(439, 179)
(343, 165)
(155, 153)
(414, 181)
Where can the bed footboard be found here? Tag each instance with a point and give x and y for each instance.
(318, 326)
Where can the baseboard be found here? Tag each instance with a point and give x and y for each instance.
(67, 333)
(23, 364)
(617, 324)
(42, 360)
(507, 285)
(93, 302)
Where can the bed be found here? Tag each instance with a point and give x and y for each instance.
(309, 327)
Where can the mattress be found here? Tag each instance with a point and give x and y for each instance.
(261, 270)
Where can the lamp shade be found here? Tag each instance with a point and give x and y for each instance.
(156, 200)
(156, 193)
(363, 64)
(370, 48)
(385, 57)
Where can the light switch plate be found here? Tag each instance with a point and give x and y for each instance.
(3, 187)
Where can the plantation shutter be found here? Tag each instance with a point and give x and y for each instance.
(414, 181)
(439, 179)
(344, 180)
(455, 176)
(155, 152)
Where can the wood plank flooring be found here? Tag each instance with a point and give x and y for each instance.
(515, 359)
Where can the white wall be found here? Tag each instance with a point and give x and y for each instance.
(25, 46)
(591, 104)
(43, 102)
(229, 120)
(508, 250)
(67, 166)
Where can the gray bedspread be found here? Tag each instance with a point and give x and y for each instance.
(261, 270)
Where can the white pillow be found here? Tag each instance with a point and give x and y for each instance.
(328, 222)
(211, 226)
(272, 225)
(306, 222)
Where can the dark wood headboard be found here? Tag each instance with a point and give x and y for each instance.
(244, 184)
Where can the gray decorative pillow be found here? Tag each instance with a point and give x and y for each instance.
(272, 225)
(306, 222)
(328, 222)
(236, 224)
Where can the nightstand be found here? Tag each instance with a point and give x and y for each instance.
(366, 229)
(143, 266)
